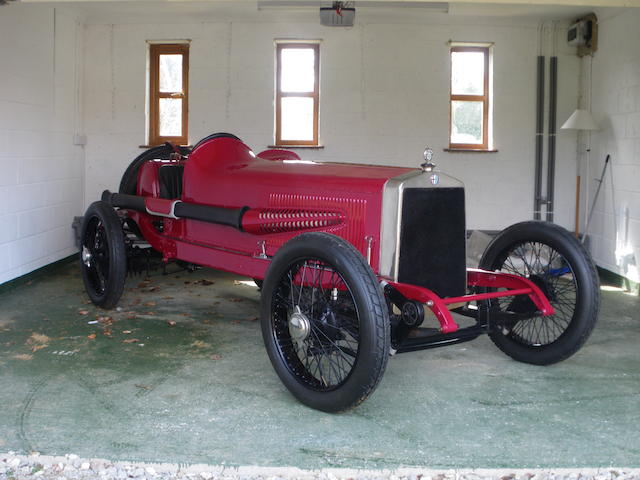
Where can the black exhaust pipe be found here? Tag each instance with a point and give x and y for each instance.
(231, 217)
(122, 200)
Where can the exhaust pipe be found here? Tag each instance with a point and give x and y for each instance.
(231, 217)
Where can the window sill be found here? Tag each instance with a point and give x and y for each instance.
(469, 150)
(289, 147)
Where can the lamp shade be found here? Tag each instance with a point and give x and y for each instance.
(580, 120)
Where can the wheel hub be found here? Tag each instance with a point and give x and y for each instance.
(299, 325)
(86, 256)
(523, 305)
(543, 285)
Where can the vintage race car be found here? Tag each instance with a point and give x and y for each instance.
(356, 262)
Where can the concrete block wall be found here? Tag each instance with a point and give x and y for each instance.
(41, 183)
(615, 94)
(384, 95)
(384, 87)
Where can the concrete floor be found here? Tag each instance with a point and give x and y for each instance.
(202, 390)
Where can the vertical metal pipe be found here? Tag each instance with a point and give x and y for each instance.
(577, 227)
(537, 195)
(551, 164)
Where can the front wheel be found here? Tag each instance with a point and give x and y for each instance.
(554, 260)
(325, 322)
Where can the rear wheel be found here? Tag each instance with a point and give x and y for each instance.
(324, 322)
(103, 256)
(558, 264)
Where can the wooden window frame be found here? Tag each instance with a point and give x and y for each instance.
(485, 98)
(155, 50)
(280, 94)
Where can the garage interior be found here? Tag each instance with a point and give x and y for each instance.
(178, 373)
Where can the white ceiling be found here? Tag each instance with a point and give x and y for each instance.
(373, 10)
(395, 3)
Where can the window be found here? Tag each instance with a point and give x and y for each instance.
(297, 93)
(168, 93)
(469, 128)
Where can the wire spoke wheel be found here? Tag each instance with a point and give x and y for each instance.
(316, 324)
(102, 255)
(558, 264)
(550, 271)
(324, 322)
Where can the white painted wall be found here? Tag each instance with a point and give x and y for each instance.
(615, 93)
(41, 182)
(384, 87)
(384, 96)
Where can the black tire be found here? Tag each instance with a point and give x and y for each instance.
(343, 313)
(129, 181)
(216, 135)
(103, 258)
(557, 262)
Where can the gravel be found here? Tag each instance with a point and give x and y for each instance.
(72, 467)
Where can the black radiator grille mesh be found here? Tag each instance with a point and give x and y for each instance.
(433, 240)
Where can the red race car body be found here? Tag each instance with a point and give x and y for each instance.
(350, 255)
(286, 196)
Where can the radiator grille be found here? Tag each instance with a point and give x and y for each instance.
(433, 240)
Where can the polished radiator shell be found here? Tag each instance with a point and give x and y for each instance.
(423, 232)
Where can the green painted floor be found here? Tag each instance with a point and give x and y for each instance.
(191, 383)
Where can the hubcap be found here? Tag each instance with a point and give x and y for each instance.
(86, 256)
(299, 325)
